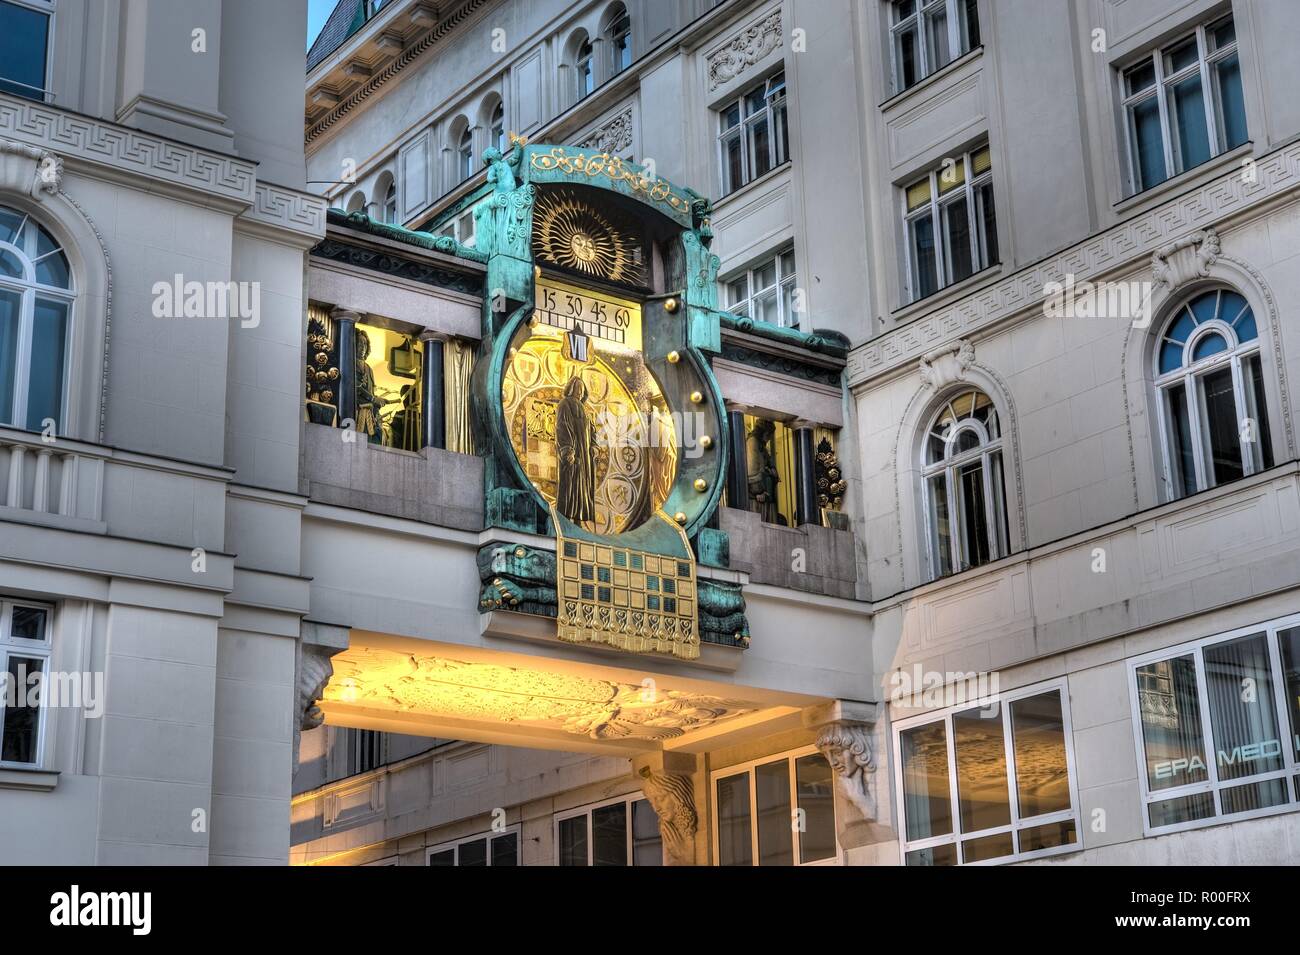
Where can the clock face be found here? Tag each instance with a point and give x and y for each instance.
(589, 424)
(577, 237)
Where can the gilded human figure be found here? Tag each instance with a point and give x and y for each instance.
(575, 450)
(760, 470)
(368, 403)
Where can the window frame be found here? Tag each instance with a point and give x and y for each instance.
(958, 30)
(999, 519)
(28, 290)
(1017, 824)
(1160, 89)
(983, 255)
(488, 836)
(584, 68)
(463, 153)
(629, 799)
(783, 282)
(390, 204)
(619, 39)
(1290, 772)
(1191, 377)
(49, 8)
(43, 650)
(497, 126)
(791, 756)
(776, 106)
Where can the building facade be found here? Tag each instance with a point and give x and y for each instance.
(154, 225)
(1064, 423)
(726, 433)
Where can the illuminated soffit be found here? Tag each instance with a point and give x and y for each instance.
(383, 679)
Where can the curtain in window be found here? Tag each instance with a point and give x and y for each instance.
(1243, 712)
(458, 366)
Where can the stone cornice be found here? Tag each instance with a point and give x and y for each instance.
(1129, 243)
(287, 210)
(107, 144)
(403, 60)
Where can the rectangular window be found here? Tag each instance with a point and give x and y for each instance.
(1220, 727)
(765, 292)
(484, 849)
(950, 223)
(754, 137)
(24, 653)
(24, 48)
(927, 35)
(619, 832)
(365, 750)
(779, 810)
(989, 782)
(1183, 104)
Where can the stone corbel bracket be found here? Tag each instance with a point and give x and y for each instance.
(29, 170)
(666, 782)
(319, 643)
(844, 729)
(943, 366)
(1183, 260)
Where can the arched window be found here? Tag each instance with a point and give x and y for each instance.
(357, 203)
(1210, 384)
(35, 322)
(497, 126)
(965, 496)
(619, 34)
(465, 153)
(584, 68)
(390, 203)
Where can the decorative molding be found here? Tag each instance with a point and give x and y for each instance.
(747, 48)
(613, 136)
(847, 747)
(289, 209)
(403, 60)
(672, 797)
(129, 150)
(1185, 259)
(389, 264)
(108, 309)
(1275, 332)
(779, 364)
(1115, 248)
(947, 365)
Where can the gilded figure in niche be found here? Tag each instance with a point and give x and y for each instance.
(760, 470)
(575, 447)
(368, 402)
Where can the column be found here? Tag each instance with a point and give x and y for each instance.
(345, 335)
(737, 486)
(805, 474)
(432, 399)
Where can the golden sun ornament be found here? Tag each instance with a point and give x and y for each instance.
(573, 235)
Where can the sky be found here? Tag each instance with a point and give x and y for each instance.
(318, 12)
